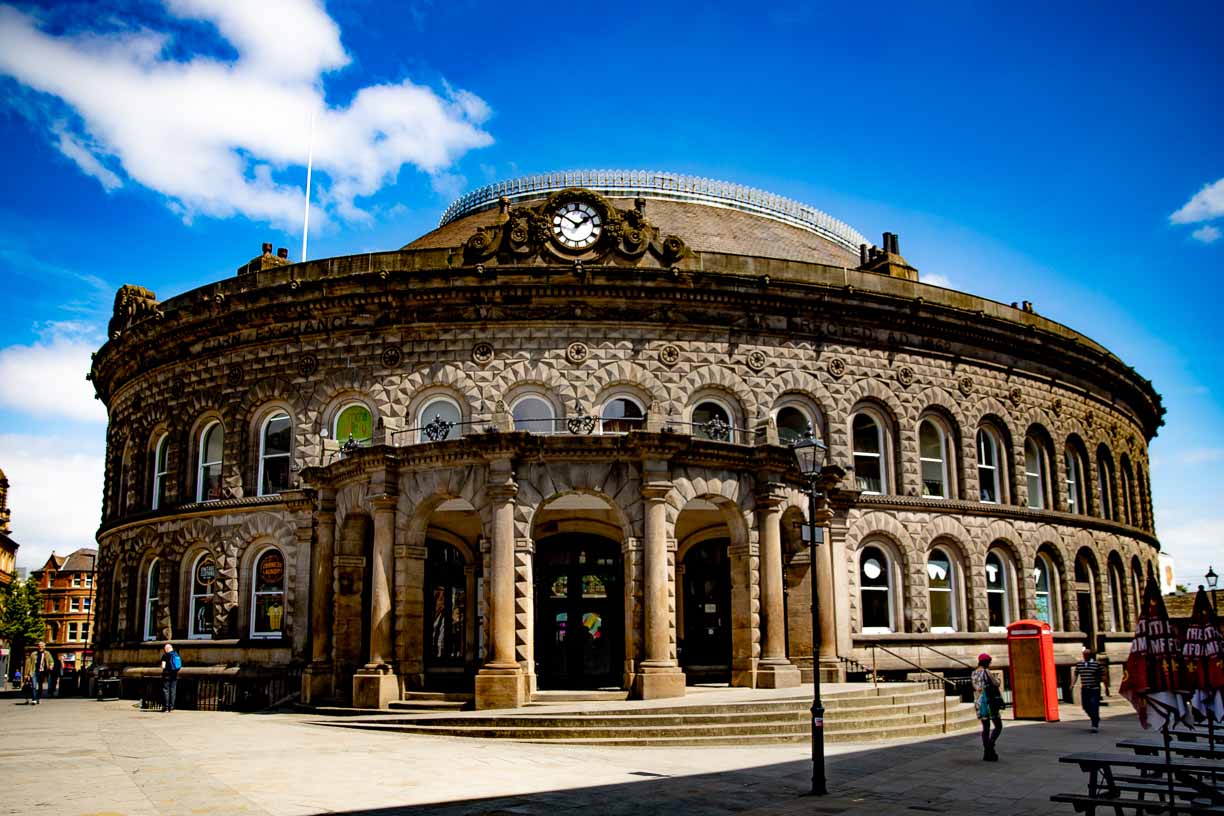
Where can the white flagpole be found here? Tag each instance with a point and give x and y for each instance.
(309, 164)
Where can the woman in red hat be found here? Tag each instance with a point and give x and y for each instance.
(989, 701)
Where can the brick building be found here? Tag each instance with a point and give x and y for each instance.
(548, 445)
(8, 547)
(67, 588)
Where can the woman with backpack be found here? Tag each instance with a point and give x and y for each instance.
(170, 665)
(989, 701)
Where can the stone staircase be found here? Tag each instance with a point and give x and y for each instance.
(893, 711)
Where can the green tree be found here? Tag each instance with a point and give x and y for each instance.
(21, 621)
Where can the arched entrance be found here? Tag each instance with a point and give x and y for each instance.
(1086, 596)
(705, 644)
(579, 608)
(446, 614)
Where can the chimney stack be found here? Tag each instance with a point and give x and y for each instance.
(267, 248)
(282, 253)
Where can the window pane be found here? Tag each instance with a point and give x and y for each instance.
(1032, 473)
(986, 480)
(269, 612)
(354, 421)
(276, 475)
(270, 572)
(867, 473)
(929, 444)
(210, 482)
(996, 602)
(876, 613)
(276, 435)
(213, 442)
(994, 572)
(439, 409)
(986, 449)
(941, 609)
(534, 415)
(866, 435)
(939, 570)
(1043, 607)
(932, 479)
(1043, 576)
(793, 425)
(720, 423)
(622, 415)
(154, 579)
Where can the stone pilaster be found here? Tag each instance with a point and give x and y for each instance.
(659, 674)
(318, 678)
(774, 670)
(410, 594)
(500, 683)
(376, 684)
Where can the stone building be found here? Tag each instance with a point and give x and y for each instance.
(548, 445)
(66, 586)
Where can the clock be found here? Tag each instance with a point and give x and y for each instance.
(576, 225)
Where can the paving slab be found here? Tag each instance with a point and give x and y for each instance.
(75, 757)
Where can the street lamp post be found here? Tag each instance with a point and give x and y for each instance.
(810, 453)
(1212, 580)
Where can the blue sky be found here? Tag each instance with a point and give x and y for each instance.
(1035, 152)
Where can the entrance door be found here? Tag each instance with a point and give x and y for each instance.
(579, 612)
(705, 652)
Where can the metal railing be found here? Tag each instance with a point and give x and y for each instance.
(210, 693)
(933, 678)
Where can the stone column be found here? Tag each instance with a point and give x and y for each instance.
(774, 670)
(318, 678)
(830, 668)
(499, 684)
(660, 674)
(412, 605)
(376, 684)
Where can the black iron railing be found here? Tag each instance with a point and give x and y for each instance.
(213, 693)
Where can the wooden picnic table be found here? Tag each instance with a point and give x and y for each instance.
(1185, 748)
(1182, 785)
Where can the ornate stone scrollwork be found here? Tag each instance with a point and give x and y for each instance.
(526, 233)
(132, 304)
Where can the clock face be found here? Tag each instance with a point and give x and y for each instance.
(576, 225)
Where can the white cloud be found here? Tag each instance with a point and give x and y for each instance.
(1201, 456)
(1207, 203)
(937, 280)
(1207, 234)
(212, 135)
(1194, 545)
(47, 378)
(55, 493)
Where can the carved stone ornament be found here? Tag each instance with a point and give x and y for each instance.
(757, 360)
(905, 376)
(837, 367)
(180, 385)
(1015, 395)
(233, 374)
(482, 353)
(1057, 406)
(1089, 418)
(132, 304)
(669, 355)
(392, 356)
(308, 364)
(531, 233)
(577, 353)
(965, 385)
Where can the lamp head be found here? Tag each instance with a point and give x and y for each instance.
(1211, 577)
(809, 454)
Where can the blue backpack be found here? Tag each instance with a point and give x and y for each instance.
(176, 662)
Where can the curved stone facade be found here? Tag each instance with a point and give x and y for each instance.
(422, 555)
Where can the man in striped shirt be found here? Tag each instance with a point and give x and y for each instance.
(1090, 674)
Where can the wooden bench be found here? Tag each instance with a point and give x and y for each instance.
(1084, 803)
(1185, 785)
(1185, 748)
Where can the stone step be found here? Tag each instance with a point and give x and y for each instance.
(550, 697)
(868, 735)
(428, 705)
(443, 696)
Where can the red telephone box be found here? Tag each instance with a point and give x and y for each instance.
(1030, 651)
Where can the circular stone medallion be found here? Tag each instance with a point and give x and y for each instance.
(669, 355)
(905, 376)
(391, 357)
(233, 374)
(757, 360)
(965, 385)
(577, 353)
(1015, 396)
(482, 353)
(837, 367)
(308, 364)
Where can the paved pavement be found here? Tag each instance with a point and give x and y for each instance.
(73, 757)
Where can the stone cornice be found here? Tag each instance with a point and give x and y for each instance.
(401, 292)
(290, 500)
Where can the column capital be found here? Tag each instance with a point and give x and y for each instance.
(770, 495)
(383, 502)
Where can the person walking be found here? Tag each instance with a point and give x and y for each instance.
(988, 700)
(38, 669)
(1090, 675)
(170, 665)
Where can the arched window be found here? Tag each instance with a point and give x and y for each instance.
(942, 584)
(998, 595)
(1136, 587)
(1046, 586)
(274, 442)
(354, 422)
(794, 423)
(989, 481)
(152, 586)
(1128, 481)
(208, 478)
(1034, 473)
(712, 420)
(533, 414)
(1105, 483)
(875, 590)
(439, 419)
(621, 414)
(161, 470)
(932, 457)
(1086, 595)
(200, 608)
(1076, 498)
(1143, 517)
(1117, 601)
(268, 595)
(869, 471)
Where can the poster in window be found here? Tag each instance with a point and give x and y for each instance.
(206, 573)
(271, 571)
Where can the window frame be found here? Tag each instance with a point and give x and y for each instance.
(202, 463)
(941, 437)
(995, 467)
(1105, 484)
(335, 422)
(1052, 593)
(193, 598)
(627, 397)
(554, 416)
(881, 456)
(152, 595)
(273, 415)
(1005, 591)
(1039, 474)
(423, 418)
(161, 469)
(725, 406)
(1077, 498)
(806, 407)
(252, 632)
(952, 589)
(888, 589)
